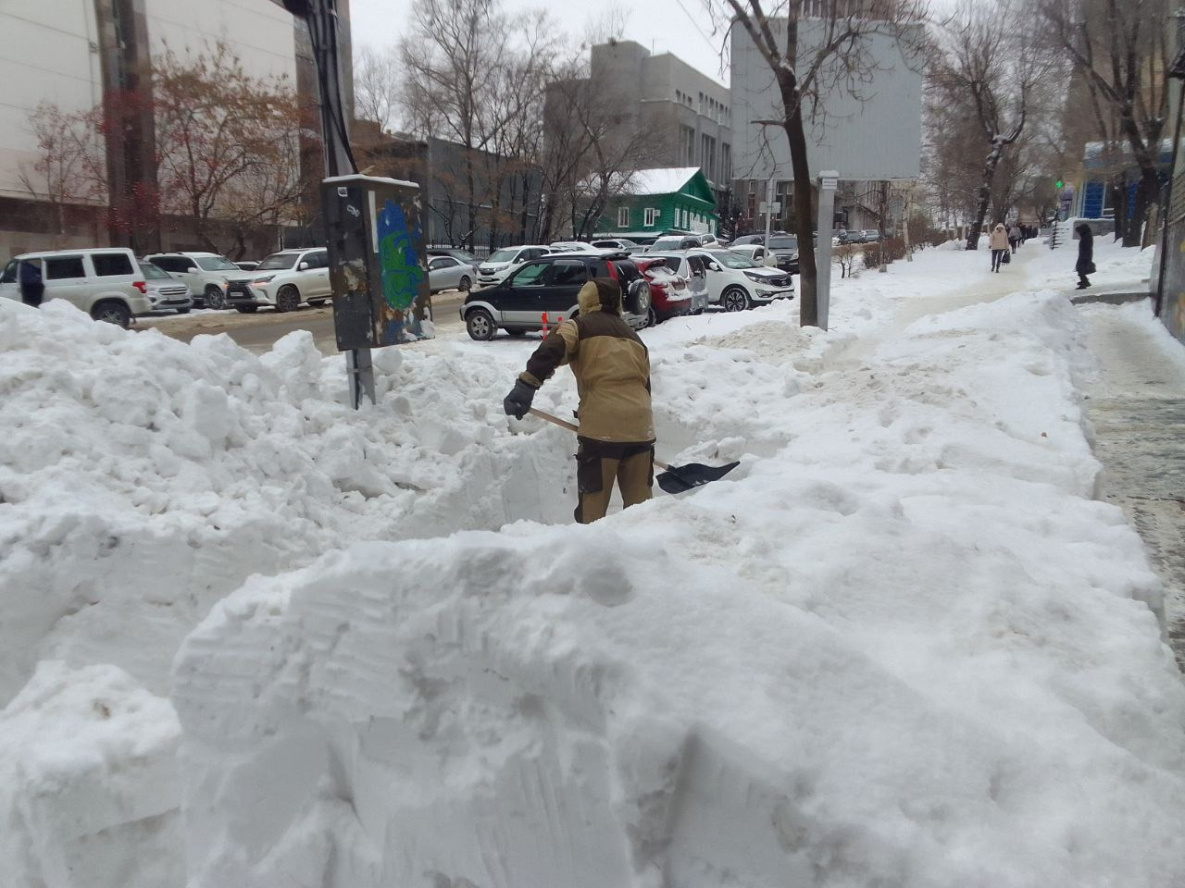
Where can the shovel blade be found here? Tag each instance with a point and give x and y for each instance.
(679, 479)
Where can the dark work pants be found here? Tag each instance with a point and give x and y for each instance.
(997, 258)
(599, 464)
(31, 294)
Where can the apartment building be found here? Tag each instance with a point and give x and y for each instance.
(684, 115)
(85, 54)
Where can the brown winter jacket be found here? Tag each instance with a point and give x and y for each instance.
(610, 363)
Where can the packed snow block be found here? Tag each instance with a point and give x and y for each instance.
(89, 790)
(576, 707)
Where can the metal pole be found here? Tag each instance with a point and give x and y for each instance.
(828, 182)
(322, 20)
(769, 210)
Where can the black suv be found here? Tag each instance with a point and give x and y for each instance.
(548, 286)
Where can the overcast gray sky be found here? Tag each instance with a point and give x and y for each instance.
(682, 27)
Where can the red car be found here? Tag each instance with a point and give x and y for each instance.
(669, 296)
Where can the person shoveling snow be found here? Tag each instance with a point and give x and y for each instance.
(612, 370)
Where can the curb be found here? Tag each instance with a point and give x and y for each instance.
(1111, 298)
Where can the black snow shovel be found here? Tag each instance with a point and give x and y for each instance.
(674, 479)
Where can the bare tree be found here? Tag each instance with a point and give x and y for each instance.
(988, 76)
(228, 142)
(376, 86)
(71, 165)
(841, 59)
(1121, 48)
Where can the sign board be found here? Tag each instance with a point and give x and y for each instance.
(868, 124)
(829, 184)
(764, 208)
(377, 260)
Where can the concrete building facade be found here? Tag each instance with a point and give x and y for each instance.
(684, 115)
(77, 54)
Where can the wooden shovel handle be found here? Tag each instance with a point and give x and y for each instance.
(555, 420)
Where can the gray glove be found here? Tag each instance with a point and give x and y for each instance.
(518, 402)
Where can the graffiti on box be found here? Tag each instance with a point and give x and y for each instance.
(402, 276)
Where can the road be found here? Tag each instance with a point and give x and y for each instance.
(259, 332)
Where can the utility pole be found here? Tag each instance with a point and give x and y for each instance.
(769, 209)
(321, 18)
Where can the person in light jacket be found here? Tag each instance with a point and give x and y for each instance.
(1085, 264)
(999, 245)
(1014, 236)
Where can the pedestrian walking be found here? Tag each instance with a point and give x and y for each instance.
(612, 370)
(1014, 236)
(999, 244)
(32, 287)
(1085, 264)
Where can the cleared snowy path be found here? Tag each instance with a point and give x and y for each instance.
(1137, 406)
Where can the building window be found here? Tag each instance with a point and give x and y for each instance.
(725, 161)
(651, 216)
(687, 145)
(623, 217)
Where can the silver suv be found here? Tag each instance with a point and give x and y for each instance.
(207, 275)
(107, 284)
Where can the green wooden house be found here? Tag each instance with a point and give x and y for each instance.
(654, 202)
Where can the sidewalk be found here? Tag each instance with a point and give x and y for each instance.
(1137, 407)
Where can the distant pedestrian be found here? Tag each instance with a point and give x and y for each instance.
(999, 245)
(1014, 236)
(1085, 264)
(32, 287)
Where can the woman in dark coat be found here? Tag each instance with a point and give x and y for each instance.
(1085, 264)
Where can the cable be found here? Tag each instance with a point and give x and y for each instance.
(335, 106)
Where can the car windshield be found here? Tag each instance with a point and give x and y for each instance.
(730, 259)
(503, 256)
(278, 261)
(783, 243)
(462, 256)
(215, 263)
(667, 243)
(152, 273)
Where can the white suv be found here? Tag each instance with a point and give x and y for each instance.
(506, 260)
(107, 284)
(207, 275)
(284, 280)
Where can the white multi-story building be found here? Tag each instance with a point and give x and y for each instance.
(76, 54)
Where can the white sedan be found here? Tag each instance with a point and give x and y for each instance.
(736, 282)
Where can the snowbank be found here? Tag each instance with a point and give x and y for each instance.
(901, 645)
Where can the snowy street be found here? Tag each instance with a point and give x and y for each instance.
(252, 637)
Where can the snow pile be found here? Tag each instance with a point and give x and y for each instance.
(900, 645)
(143, 479)
(89, 788)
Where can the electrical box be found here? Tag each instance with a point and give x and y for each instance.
(377, 261)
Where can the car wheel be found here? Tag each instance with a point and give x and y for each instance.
(638, 297)
(465, 285)
(288, 299)
(734, 299)
(112, 313)
(652, 318)
(247, 309)
(215, 298)
(480, 324)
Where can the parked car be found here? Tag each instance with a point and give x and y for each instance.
(670, 295)
(549, 285)
(735, 282)
(871, 235)
(616, 243)
(283, 281)
(164, 291)
(462, 256)
(506, 260)
(853, 236)
(573, 247)
(207, 275)
(691, 270)
(105, 283)
(784, 249)
(247, 265)
(754, 251)
(448, 273)
(669, 242)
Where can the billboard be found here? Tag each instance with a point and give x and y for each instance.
(867, 124)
